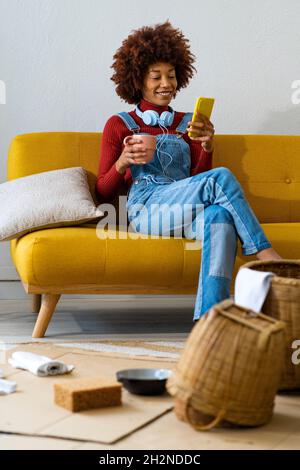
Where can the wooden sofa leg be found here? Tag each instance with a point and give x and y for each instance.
(49, 302)
(36, 302)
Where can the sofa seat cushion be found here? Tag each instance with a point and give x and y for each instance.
(285, 238)
(76, 256)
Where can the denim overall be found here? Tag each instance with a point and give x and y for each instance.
(213, 201)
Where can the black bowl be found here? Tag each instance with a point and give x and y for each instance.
(144, 381)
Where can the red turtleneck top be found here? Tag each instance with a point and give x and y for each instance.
(109, 180)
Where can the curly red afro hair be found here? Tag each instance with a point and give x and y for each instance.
(144, 47)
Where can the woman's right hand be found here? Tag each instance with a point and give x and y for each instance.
(134, 153)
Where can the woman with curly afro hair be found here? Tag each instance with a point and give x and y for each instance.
(177, 193)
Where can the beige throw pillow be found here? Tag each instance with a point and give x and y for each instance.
(49, 199)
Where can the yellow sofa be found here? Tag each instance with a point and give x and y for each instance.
(70, 260)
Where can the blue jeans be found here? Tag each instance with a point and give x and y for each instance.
(225, 215)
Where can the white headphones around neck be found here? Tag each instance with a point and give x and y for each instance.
(152, 118)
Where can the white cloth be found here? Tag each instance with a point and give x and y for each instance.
(1, 374)
(7, 386)
(38, 365)
(251, 288)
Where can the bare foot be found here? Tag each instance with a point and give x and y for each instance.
(269, 254)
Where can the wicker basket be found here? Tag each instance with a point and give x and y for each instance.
(227, 370)
(283, 303)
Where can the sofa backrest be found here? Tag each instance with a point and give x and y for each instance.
(267, 166)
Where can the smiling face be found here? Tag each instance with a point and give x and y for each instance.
(160, 84)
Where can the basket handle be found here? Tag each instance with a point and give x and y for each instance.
(202, 427)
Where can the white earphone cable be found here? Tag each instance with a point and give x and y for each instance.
(159, 151)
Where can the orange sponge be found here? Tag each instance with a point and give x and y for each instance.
(87, 393)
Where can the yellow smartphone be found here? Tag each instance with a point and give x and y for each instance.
(203, 106)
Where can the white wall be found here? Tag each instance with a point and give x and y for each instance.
(55, 58)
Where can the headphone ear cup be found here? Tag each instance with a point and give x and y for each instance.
(166, 118)
(150, 117)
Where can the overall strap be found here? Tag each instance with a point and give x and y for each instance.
(184, 123)
(129, 122)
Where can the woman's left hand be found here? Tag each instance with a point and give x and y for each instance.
(204, 130)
